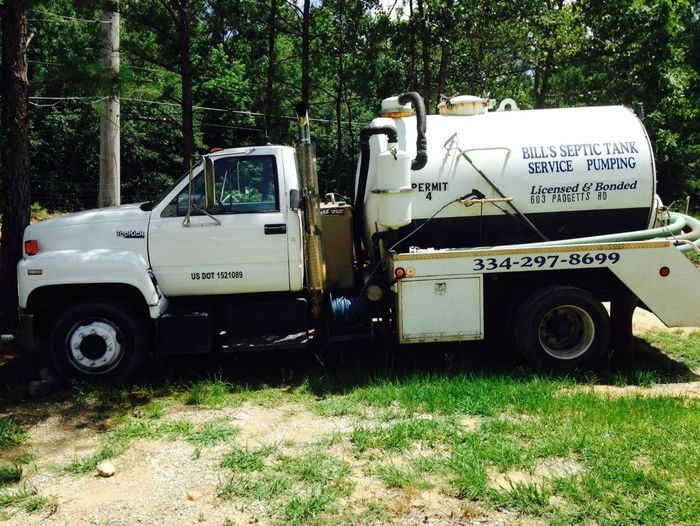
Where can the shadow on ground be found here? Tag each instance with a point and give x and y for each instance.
(335, 370)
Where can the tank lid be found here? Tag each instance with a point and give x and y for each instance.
(465, 105)
(393, 110)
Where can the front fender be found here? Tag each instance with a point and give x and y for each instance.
(85, 267)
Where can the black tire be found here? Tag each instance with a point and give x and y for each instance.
(98, 341)
(562, 327)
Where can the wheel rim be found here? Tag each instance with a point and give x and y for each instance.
(95, 346)
(566, 332)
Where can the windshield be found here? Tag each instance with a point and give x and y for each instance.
(149, 205)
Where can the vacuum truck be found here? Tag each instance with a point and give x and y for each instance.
(465, 225)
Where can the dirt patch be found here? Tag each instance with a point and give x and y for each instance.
(471, 423)
(690, 390)
(545, 470)
(644, 321)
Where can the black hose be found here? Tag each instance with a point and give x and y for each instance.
(421, 124)
(358, 218)
(418, 162)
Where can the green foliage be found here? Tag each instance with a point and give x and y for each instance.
(25, 498)
(245, 459)
(683, 347)
(212, 393)
(544, 54)
(300, 509)
(213, 433)
(11, 434)
(10, 474)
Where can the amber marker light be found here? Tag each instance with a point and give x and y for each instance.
(31, 247)
(664, 272)
(399, 272)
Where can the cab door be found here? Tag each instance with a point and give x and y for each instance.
(240, 245)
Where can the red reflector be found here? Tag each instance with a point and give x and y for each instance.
(399, 272)
(214, 150)
(664, 271)
(31, 247)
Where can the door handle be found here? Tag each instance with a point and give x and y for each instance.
(275, 229)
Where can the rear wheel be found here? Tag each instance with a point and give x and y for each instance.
(563, 327)
(98, 340)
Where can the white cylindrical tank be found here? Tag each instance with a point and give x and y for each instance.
(393, 190)
(572, 172)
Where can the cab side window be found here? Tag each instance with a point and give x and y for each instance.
(243, 184)
(246, 184)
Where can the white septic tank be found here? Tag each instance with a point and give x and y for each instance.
(571, 172)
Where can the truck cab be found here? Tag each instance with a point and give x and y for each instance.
(249, 241)
(199, 271)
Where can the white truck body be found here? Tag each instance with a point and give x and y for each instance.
(441, 297)
(105, 287)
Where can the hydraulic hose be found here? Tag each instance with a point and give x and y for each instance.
(673, 231)
(421, 125)
(358, 218)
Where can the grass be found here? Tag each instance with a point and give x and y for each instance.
(681, 347)
(245, 459)
(574, 455)
(115, 442)
(212, 433)
(315, 468)
(27, 499)
(210, 393)
(300, 509)
(11, 434)
(88, 463)
(10, 474)
(292, 489)
(394, 476)
(264, 487)
(154, 409)
(401, 435)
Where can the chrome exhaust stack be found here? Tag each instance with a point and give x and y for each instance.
(314, 262)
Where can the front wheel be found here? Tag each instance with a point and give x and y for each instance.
(563, 327)
(97, 340)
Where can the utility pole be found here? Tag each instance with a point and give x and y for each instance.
(109, 193)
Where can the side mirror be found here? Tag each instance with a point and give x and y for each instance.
(209, 185)
(294, 199)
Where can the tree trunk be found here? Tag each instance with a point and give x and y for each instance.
(442, 72)
(305, 88)
(425, 53)
(351, 136)
(445, 49)
(270, 88)
(542, 76)
(16, 171)
(412, 42)
(186, 73)
(338, 168)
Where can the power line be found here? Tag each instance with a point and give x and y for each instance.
(176, 105)
(231, 127)
(64, 18)
(209, 108)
